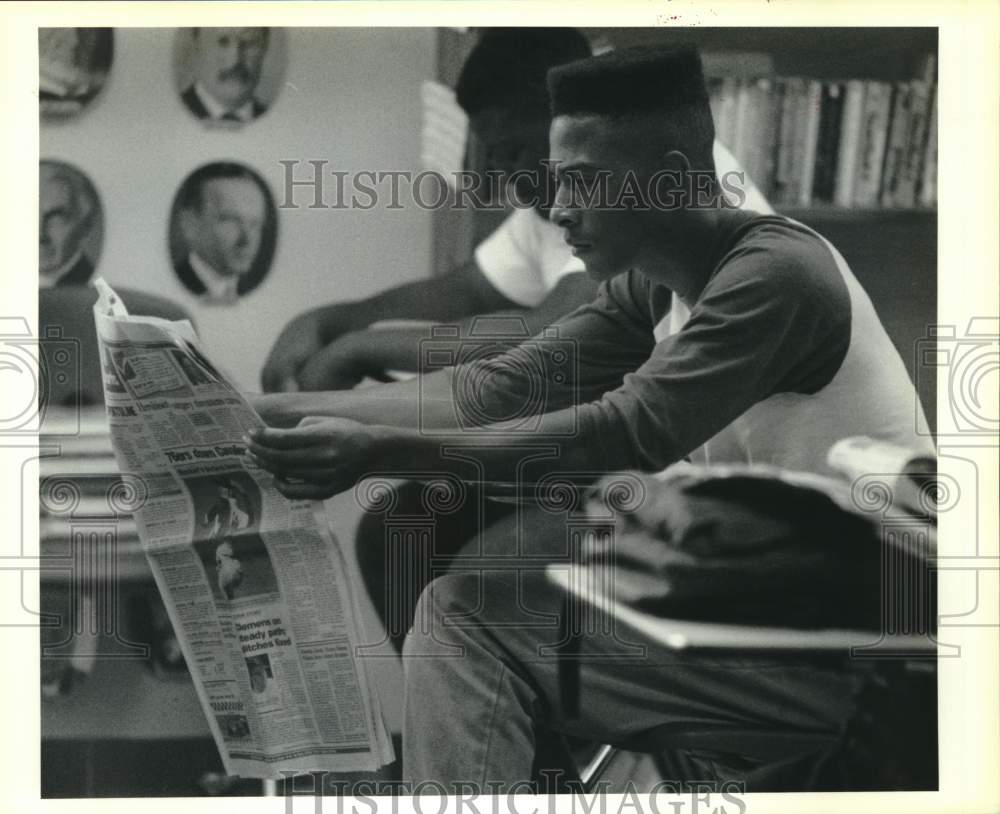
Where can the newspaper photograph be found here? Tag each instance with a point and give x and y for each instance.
(255, 584)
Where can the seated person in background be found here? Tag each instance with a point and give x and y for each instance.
(524, 268)
(717, 334)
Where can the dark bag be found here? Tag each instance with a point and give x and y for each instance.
(746, 548)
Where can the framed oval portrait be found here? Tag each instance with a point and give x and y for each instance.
(229, 77)
(73, 65)
(70, 225)
(223, 231)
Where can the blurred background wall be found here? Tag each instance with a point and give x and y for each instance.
(350, 97)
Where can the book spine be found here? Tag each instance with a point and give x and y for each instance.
(899, 132)
(810, 134)
(771, 107)
(725, 126)
(828, 142)
(912, 158)
(874, 134)
(928, 175)
(715, 102)
(850, 139)
(785, 180)
(759, 134)
(743, 127)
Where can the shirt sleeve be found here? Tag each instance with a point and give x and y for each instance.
(585, 354)
(509, 259)
(766, 323)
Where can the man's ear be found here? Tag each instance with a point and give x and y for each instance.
(676, 161)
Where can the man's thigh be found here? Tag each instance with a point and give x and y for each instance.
(497, 590)
(408, 536)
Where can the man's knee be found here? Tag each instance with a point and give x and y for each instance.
(445, 612)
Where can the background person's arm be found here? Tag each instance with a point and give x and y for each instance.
(373, 352)
(594, 347)
(460, 292)
(399, 404)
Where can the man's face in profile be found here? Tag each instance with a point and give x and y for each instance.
(61, 223)
(228, 62)
(227, 230)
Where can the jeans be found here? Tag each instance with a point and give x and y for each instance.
(484, 696)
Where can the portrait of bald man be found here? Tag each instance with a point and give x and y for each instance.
(221, 72)
(70, 226)
(222, 232)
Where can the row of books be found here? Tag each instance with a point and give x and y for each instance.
(857, 143)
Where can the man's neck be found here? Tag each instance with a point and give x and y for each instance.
(217, 285)
(685, 265)
(217, 110)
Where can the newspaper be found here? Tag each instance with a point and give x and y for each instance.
(255, 584)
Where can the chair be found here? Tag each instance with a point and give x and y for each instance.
(71, 365)
(889, 744)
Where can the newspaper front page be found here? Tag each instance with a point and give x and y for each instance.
(255, 584)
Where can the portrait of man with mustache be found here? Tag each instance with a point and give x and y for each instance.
(226, 67)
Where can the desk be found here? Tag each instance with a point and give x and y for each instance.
(681, 633)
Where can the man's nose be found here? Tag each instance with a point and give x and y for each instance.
(563, 216)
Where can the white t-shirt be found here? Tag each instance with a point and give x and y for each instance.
(526, 256)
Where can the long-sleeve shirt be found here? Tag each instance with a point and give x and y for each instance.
(781, 355)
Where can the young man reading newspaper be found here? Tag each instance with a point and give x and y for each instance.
(717, 335)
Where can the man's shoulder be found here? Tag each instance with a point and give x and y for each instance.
(193, 103)
(779, 252)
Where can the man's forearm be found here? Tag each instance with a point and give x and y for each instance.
(407, 348)
(437, 299)
(424, 402)
(502, 454)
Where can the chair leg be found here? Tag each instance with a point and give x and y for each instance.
(591, 773)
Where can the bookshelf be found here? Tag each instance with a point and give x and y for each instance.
(891, 248)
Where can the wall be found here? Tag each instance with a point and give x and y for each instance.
(351, 96)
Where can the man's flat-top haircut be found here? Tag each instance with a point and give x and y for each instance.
(628, 81)
(667, 83)
(508, 66)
